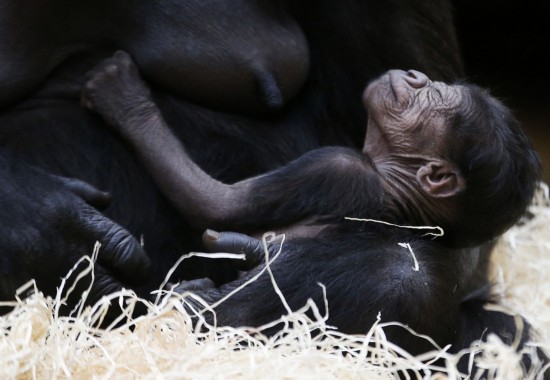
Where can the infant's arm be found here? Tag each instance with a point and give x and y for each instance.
(116, 91)
(318, 183)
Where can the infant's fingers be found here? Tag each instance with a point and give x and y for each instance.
(124, 59)
(233, 242)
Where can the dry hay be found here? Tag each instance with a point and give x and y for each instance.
(39, 343)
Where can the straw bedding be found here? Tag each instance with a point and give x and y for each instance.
(37, 342)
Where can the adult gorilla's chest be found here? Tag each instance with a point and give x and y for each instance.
(242, 55)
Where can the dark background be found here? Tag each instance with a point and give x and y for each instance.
(506, 45)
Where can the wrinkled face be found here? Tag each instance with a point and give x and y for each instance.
(408, 114)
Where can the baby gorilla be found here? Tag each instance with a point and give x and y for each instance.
(435, 154)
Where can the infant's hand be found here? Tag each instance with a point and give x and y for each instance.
(115, 91)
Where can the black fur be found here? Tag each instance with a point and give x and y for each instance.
(349, 43)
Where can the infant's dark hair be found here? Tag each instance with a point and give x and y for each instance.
(498, 162)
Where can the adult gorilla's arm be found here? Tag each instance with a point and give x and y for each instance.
(51, 225)
(370, 274)
(446, 296)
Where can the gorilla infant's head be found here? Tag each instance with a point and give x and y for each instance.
(449, 154)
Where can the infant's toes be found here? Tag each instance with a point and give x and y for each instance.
(122, 58)
(86, 99)
(110, 71)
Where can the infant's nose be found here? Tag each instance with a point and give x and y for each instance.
(416, 79)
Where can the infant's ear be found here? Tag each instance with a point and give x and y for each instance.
(440, 179)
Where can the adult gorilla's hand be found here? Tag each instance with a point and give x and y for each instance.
(48, 224)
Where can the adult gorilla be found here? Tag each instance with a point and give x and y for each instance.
(294, 86)
(264, 60)
(48, 134)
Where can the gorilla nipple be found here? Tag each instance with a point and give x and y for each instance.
(269, 89)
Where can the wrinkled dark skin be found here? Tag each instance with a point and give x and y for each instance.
(41, 120)
(68, 208)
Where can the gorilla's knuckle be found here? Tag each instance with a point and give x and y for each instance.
(120, 248)
(117, 238)
(89, 87)
(90, 216)
(104, 283)
(111, 69)
(120, 243)
(126, 62)
(121, 55)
